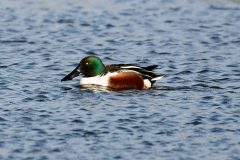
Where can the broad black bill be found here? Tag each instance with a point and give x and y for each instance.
(73, 74)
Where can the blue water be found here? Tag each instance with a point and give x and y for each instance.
(193, 113)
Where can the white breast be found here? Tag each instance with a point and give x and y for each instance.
(97, 80)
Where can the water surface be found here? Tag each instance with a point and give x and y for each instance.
(193, 113)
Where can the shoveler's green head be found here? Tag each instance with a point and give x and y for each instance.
(89, 67)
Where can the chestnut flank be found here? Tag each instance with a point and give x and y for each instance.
(126, 80)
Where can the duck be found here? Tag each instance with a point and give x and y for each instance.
(115, 76)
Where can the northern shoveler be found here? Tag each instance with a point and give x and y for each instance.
(117, 76)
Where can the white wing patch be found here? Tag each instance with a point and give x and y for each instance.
(129, 67)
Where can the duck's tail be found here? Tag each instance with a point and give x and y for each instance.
(157, 78)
